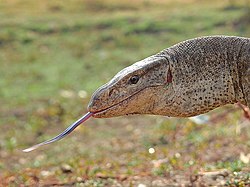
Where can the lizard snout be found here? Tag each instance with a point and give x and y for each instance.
(98, 100)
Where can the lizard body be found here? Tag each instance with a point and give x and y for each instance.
(187, 79)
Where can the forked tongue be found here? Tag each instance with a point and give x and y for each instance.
(63, 134)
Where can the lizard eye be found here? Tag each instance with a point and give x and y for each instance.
(134, 79)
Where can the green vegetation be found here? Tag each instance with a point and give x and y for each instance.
(54, 54)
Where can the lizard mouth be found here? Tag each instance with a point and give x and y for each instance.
(119, 108)
(124, 102)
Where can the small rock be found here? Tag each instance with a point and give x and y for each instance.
(102, 176)
(45, 173)
(245, 158)
(122, 177)
(109, 165)
(215, 174)
(79, 179)
(136, 177)
(66, 168)
(177, 155)
(141, 185)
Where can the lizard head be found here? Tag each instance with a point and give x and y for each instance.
(142, 88)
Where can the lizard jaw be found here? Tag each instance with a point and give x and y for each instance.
(113, 109)
(127, 106)
(121, 108)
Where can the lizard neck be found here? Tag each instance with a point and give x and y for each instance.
(205, 74)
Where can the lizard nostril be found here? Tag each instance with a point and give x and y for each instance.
(110, 92)
(91, 106)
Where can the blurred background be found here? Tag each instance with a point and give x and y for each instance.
(54, 54)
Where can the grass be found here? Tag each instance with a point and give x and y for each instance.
(52, 50)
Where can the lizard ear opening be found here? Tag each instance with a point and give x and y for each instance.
(169, 76)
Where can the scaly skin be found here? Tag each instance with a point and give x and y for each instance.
(187, 79)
